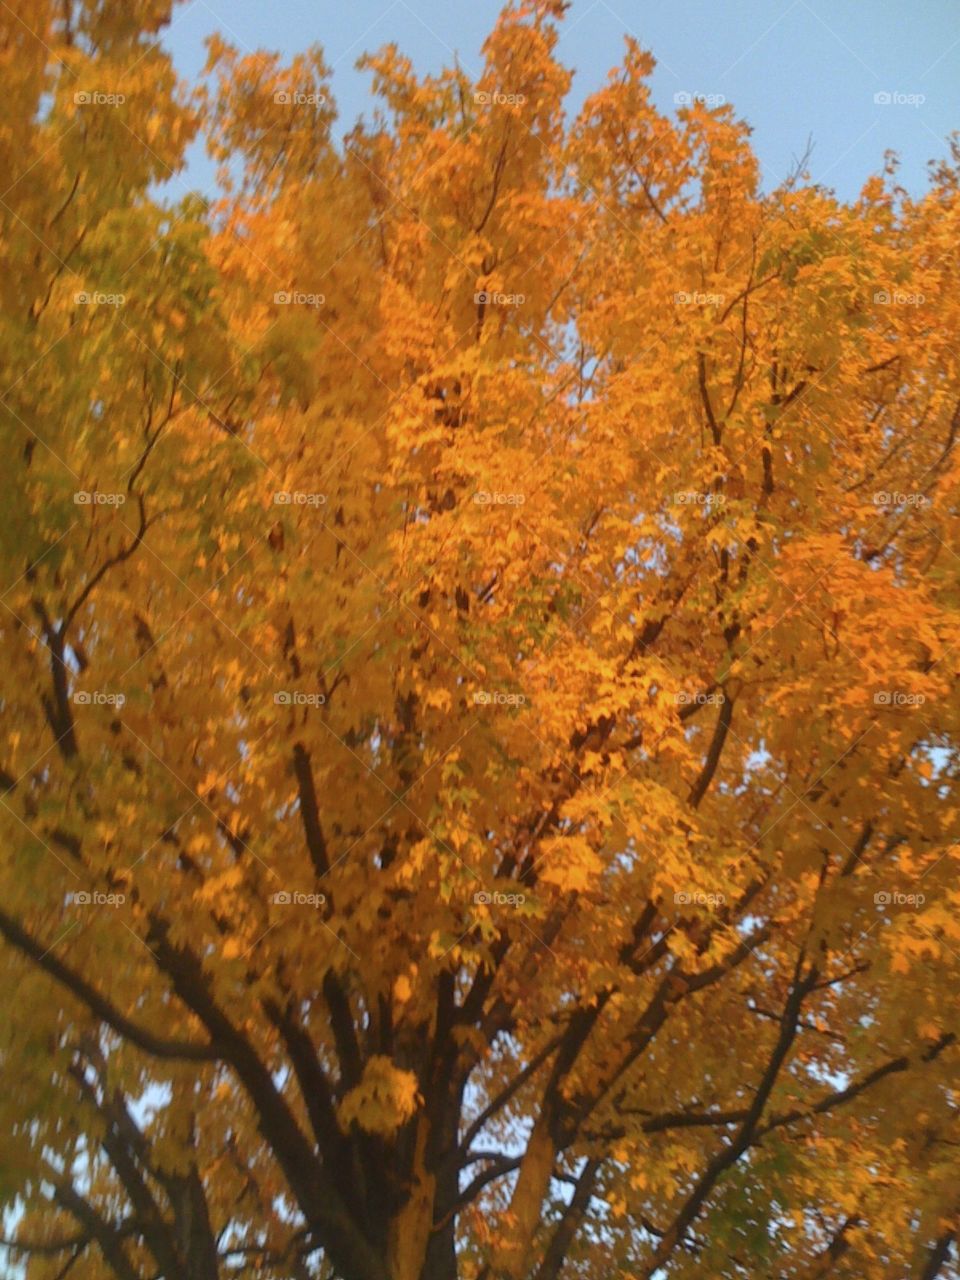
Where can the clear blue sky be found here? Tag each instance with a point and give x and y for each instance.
(791, 68)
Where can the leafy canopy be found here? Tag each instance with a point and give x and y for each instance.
(480, 706)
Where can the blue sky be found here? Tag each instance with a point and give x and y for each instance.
(792, 68)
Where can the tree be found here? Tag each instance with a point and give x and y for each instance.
(481, 629)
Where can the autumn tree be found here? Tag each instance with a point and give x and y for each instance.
(481, 625)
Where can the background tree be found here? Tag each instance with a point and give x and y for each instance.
(480, 704)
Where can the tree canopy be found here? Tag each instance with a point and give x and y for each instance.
(480, 699)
